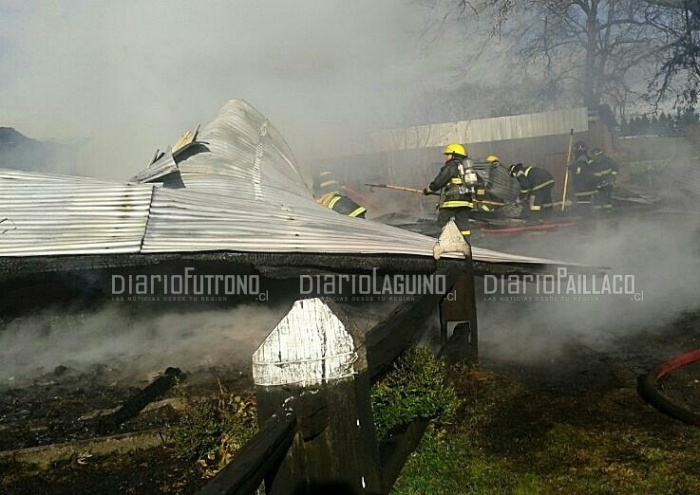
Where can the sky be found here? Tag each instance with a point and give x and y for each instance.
(132, 75)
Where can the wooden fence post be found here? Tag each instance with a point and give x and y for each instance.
(315, 358)
(458, 310)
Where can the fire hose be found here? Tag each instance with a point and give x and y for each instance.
(420, 191)
(649, 389)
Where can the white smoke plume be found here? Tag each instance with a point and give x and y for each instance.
(132, 76)
(133, 342)
(657, 253)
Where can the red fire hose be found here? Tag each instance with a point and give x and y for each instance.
(512, 230)
(649, 390)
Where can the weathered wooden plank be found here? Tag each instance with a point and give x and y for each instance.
(260, 456)
(403, 327)
(336, 446)
(311, 345)
(459, 307)
(394, 451)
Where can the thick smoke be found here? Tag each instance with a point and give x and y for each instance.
(133, 342)
(656, 248)
(132, 76)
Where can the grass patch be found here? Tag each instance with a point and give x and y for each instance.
(417, 387)
(210, 431)
(510, 439)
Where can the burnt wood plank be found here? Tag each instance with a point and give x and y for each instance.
(404, 326)
(256, 459)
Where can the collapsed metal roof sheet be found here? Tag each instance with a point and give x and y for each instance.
(239, 189)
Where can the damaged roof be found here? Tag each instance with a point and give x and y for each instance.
(235, 186)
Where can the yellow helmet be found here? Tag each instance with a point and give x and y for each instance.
(456, 149)
(492, 159)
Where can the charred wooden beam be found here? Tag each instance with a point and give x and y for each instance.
(459, 307)
(260, 456)
(133, 406)
(404, 326)
(249, 261)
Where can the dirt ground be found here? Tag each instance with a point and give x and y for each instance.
(514, 404)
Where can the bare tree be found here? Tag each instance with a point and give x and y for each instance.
(678, 71)
(588, 46)
(583, 51)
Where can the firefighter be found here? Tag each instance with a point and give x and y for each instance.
(484, 200)
(536, 186)
(582, 178)
(326, 183)
(459, 180)
(605, 170)
(328, 194)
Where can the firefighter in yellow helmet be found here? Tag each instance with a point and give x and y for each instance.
(327, 189)
(458, 178)
(484, 199)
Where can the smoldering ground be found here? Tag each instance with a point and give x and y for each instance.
(136, 343)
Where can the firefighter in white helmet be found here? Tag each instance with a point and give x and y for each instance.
(458, 178)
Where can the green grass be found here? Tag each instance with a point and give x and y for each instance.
(512, 440)
(418, 387)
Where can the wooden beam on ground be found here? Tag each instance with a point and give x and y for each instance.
(135, 404)
(45, 456)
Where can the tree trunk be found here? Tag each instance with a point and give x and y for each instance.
(590, 98)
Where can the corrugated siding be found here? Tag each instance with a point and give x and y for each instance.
(470, 132)
(247, 158)
(164, 166)
(483, 130)
(688, 179)
(194, 222)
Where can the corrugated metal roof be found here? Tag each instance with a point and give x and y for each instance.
(243, 192)
(163, 166)
(52, 214)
